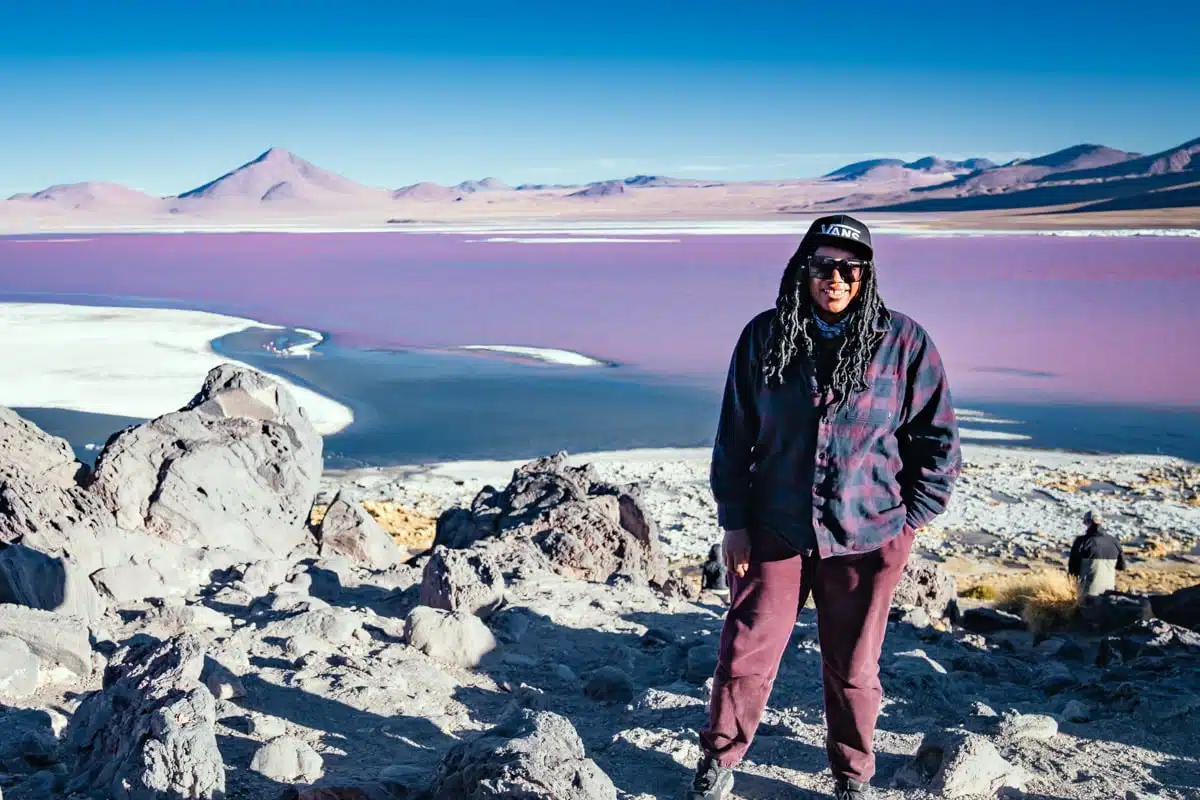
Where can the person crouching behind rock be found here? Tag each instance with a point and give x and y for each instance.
(836, 441)
(1095, 558)
(714, 573)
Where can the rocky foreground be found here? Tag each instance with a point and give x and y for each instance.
(173, 626)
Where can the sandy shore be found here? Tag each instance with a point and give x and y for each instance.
(132, 362)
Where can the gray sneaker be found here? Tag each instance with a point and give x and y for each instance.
(712, 781)
(848, 789)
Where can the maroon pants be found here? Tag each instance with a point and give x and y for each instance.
(852, 595)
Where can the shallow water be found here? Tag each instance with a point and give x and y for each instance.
(1087, 342)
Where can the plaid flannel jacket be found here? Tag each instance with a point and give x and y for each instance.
(849, 480)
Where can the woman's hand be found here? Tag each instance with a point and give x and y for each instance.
(736, 549)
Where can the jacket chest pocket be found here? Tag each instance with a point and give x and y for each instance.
(877, 407)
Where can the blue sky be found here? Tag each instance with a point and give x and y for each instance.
(165, 96)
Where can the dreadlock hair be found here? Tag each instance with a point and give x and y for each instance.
(792, 328)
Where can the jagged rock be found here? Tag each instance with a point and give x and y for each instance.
(236, 468)
(959, 764)
(29, 452)
(990, 620)
(926, 585)
(56, 639)
(347, 529)
(1112, 611)
(39, 481)
(18, 668)
(678, 587)
(583, 527)
(451, 637)
(1148, 638)
(1179, 608)
(151, 731)
(42, 506)
(288, 759)
(462, 580)
(533, 754)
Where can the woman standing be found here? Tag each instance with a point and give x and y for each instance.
(836, 443)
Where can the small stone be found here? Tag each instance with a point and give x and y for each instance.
(1076, 711)
(655, 638)
(1014, 727)
(221, 681)
(289, 760)
(510, 624)
(267, 728)
(1054, 677)
(979, 709)
(609, 685)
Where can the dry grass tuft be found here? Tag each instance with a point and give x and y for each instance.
(1046, 600)
(411, 529)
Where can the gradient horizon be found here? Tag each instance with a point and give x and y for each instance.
(163, 98)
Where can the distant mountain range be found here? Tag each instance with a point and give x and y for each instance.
(1081, 178)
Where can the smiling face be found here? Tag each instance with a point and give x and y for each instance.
(832, 296)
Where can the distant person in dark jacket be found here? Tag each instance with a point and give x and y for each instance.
(1095, 558)
(836, 442)
(714, 572)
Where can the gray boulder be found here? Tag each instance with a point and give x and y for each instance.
(26, 451)
(39, 480)
(18, 668)
(533, 754)
(45, 521)
(289, 760)
(578, 525)
(43, 575)
(236, 468)
(462, 580)
(151, 731)
(455, 638)
(1179, 608)
(348, 530)
(959, 764)
(56, 639)
(925, 585)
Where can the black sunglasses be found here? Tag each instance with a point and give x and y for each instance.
(851, 269)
